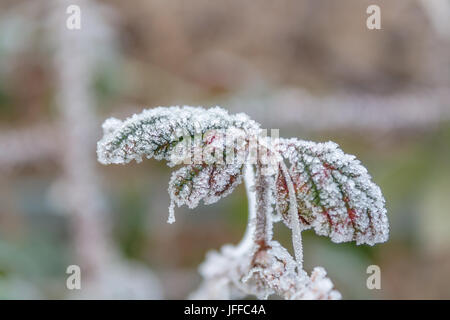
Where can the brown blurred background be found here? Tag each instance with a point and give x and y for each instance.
(310, 68)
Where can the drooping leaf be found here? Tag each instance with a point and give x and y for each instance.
(157, 132)
(193, 136)
(334, 192)
(209, 183)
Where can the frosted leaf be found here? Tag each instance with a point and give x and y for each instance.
(275, 271)
(209, 183)
(110, 125)
(260, 272)
(334, 192)
(156, 132)
(326, 189)
(207, 141)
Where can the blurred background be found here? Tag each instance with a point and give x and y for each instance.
(310, 68)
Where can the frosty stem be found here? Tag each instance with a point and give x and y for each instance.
(259, 225)
(247, 241)
(293, 213)
(263, 228)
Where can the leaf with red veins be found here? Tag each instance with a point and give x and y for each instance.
(334, 192)
(282, 201)
(156, 133)
(191, 136)
(193, 183)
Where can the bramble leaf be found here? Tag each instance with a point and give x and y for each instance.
(193, 183)
(183, 135)
(157, 132)
(334, 192)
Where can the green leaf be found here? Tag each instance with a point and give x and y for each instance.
(335, 195)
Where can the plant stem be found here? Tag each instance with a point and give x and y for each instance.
(263, 228)
(293, 212)
(247, 241)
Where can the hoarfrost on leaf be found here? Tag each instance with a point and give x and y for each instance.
(323, 189)
(231, 274)
(334, 192)
(193, 183)
(156, 132)
(183, 135)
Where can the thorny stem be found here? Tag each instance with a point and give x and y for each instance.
(293, 213)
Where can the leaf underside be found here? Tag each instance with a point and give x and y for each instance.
(209, 183)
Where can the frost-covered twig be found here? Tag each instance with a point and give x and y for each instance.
(227, 275)
(247, 241)
(293, 216)
(323, 189)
